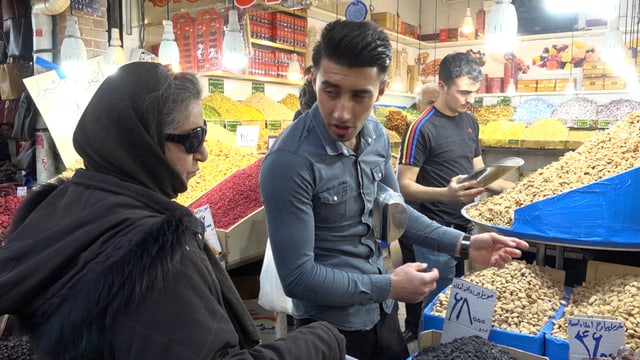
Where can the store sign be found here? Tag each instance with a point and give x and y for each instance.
(470, 311)
(244, 3)
(594, 337)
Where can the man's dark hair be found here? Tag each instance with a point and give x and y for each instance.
(457, 65)
(354, 44)
(307, 96)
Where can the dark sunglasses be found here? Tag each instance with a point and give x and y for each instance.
(192, 141)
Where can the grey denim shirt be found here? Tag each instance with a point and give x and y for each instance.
(318, 197)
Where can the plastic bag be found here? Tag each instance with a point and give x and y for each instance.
(271, 296)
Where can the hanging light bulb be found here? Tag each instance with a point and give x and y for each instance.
(114, 57)
(293, 73)
(233, 55)
(396, 81)
(168, 53)
(467, 24)
(502, 28)
(73, 54)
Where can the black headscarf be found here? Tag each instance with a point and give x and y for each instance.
(121, 134)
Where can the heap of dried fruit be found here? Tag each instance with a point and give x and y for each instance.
(269, 108)
(397, 121)
(291, 101)
(230, 109)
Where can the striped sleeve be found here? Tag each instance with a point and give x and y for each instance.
(411, 138)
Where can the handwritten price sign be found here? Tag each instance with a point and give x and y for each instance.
(594, 336)
(211, 237)
(470, 311)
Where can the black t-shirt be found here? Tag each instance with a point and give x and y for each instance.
(442, 147)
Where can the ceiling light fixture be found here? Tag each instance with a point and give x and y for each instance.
(467, 24)
(73, 54)
(114, 57)
(168, 53)
(502, 28)
(233, 49)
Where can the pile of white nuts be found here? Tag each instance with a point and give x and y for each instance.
(615, 296)
(527, 296)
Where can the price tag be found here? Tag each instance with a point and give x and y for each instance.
(470, 311)
(247, 135)
(478, 102)
(594, 336)
(232, 125)
(216, 86)
(504, 100)
(257, 87)
(271, 140)
(274, 125)
(210, 236)
(21, 191)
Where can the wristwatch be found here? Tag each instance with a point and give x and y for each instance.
(465, 244)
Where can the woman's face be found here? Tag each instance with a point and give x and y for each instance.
(184, 163)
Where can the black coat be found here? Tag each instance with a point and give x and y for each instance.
(98, 268)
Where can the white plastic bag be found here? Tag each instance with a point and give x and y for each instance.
(272, 295)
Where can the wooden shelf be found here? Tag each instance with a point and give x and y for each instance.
(278, 46)
(264, 79)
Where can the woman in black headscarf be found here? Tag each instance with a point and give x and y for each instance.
(106, 266)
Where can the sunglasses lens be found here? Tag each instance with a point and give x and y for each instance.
(192, 141)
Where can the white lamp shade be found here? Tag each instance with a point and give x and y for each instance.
(114, 58)
(233, 49)
(73, 54)
(467, 23)
(293, 72)
(502, 28)
(168, 53)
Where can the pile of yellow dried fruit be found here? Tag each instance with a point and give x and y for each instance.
(291, 101)
(269, 108)
(230, 109)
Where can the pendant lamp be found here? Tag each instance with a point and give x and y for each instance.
(467, 24)
(73, 54)
(168, 53)
(502, 28)
(293, 72)
(114, 57)
(233, 49)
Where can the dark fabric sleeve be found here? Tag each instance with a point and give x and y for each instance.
(188, 320)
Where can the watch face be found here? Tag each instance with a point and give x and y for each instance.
(356, 11)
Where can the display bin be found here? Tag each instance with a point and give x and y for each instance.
(543, 144)
(601, 214)
(245, 241)
(533, 344)
(432, 338)
(557, 348)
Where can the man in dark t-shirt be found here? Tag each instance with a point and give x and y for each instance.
(440, 148)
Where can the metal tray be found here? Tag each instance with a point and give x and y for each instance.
(490, 173)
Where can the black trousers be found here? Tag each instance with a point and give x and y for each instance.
(382, 342)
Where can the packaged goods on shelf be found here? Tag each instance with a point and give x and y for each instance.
(608, 290)
(533, 109)
(545, 134)
(527, 86)
(501, 133)
(593, 83)
(184, 28)
(208, 44)
(613, 154)
(385, 20)
(291, 101)
(224, 159)
(271, 109)
(230, 109)
(528, 297)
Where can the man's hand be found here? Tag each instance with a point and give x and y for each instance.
(410, 284)
(464, 192)
(495, 250)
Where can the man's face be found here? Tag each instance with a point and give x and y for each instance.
(346, 97)
(459, 95)
(429, 97)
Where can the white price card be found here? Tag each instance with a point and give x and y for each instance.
(247, 135)
(211, 237)
(594, 336)
(21, 191)
(470, 311)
